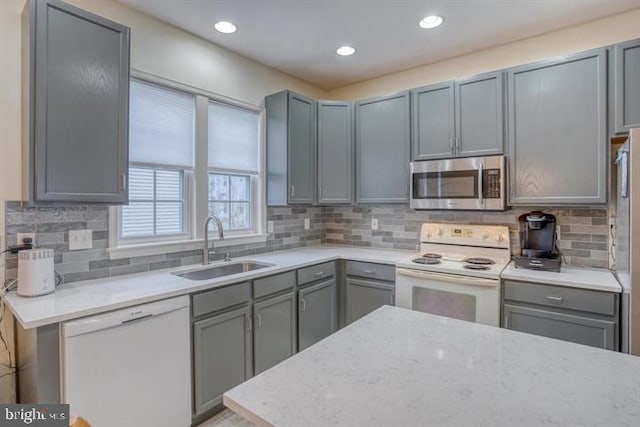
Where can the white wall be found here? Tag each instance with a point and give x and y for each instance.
(602, 32)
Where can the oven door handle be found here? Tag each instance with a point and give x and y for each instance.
(452, 278)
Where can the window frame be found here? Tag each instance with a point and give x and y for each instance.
(253, 182)
(196, 195)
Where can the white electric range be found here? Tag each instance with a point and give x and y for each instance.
(456, 273)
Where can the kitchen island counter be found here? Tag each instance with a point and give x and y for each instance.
(396, 367)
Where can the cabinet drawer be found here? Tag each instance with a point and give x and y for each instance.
(558, 296)
(372, 271)
(316, 272)
(217, 299)
(272, 284)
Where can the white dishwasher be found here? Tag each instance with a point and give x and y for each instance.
(130, 367)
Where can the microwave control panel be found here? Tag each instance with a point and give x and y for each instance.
(491, 181)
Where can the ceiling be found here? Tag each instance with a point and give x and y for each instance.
(299, 37)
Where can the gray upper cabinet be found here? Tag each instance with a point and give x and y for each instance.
(479, 115)
(76, 105)
(432, 118)
(627, 86)
(383, 149)
(458, 119)
(291, 149)
(316, 313)
(274, 336)
(335, 152)
(222, 356)
(557, 131)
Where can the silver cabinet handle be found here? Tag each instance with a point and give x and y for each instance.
(318, 274)
(292, 191)
(480, 184)
(369, 272)
(457, 145)
(123, 181)
(249, 325)
(554, 298)
(259, 320)
(452, 145)
(303, 304)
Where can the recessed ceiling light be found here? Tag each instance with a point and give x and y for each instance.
(431, 21)
(345, 50)
(225, 27)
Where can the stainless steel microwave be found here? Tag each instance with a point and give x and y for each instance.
(474, 183)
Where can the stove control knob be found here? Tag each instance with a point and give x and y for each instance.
(485, 235)
(428, 234)
(500, 238)
(440, 232)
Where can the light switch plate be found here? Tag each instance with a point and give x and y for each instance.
(307, 224)
(80, 239)
(374, 224)
(269, 227)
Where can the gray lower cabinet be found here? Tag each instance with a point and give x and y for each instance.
(558, 131)
(577, 315)
(76, 97)
(291, 149)
(567, 327)
(627, 86)
(335, 152)
(364, 296)
(383, 149)
(274, 335)
(222, 356)
(316, 313)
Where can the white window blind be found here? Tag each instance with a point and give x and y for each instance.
(233, 138)
(161, 128)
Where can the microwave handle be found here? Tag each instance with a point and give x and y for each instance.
(480, 184)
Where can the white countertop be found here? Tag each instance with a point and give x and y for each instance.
(585, 278)
(396, 367)
(80, 299)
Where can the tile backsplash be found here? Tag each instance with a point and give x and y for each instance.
(583, 234)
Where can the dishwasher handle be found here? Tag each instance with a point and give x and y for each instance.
(124, 317)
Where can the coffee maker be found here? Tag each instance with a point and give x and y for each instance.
(538, 236)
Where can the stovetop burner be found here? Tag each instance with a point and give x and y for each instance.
(432, 255)
(426, 260)
(475, 267)
(479, 261)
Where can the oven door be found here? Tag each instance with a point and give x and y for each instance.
(475, 183)
(460, 297)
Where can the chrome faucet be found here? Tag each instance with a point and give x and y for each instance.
(206, 252)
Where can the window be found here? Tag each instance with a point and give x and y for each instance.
(168, 158)
(161, 162)
(233, 165)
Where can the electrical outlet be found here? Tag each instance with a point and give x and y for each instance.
(374, 224)
(307, 224)
(269, 227)
(22, 236)
(80, 239)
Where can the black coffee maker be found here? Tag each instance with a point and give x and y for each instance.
(538, 237)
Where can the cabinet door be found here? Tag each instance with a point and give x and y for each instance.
(274, 336)
(364, 296)
(557, 131)
(627, 86)
(301, 149)
(221, 356)
(432, 118)
(382, 150)
(335, 152)
(562, 326)
(81, 106)
(479, 115)
(316, 313)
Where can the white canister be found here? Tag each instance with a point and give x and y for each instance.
(35, 272)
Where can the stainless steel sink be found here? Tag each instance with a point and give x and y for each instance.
(222, 270)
